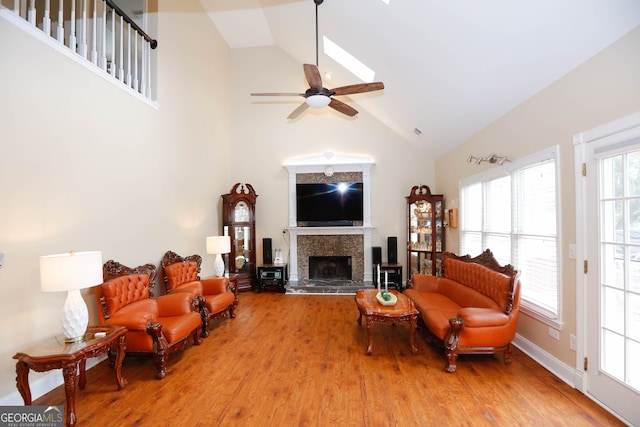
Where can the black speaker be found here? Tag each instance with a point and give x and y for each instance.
(267, 252)
(376, 255)
(392, 250)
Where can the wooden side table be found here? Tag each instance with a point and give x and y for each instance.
(56, 354)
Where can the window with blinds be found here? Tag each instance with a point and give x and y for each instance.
(513, 210)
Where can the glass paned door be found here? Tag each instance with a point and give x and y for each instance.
(612, 245)
(620, 282)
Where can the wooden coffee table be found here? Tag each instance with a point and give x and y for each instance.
(373, 311)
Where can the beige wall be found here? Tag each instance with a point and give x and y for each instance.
(603, 89)
(85, 166)
(263, 140)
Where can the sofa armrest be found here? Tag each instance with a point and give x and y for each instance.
(424, 283)
(214, 285)
(176, 304)
(474, 317)
(132, 320)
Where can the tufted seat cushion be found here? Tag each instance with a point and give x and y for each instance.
(124, 290)
(495, 286)
(183, 276)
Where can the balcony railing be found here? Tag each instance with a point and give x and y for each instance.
(100, 32)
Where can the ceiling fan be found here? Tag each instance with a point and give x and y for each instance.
(318, 96)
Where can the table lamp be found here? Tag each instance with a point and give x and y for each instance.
(71, 272)
(218, 245)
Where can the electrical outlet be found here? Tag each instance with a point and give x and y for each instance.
(572, 251)
(1, 260)
(573, 345)
(554, 333)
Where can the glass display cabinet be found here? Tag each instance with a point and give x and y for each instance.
(239, 223)
(425, 232)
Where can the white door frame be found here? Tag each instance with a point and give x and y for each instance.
(580, 142)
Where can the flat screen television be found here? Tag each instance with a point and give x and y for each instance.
(336, 203)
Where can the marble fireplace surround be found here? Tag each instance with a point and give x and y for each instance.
(354, 241)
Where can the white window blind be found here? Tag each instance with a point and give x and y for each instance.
(513, 211)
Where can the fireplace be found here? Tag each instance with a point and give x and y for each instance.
(333, 246)
(335, 241)
(330, 268)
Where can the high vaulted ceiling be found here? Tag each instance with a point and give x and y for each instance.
(450, 67)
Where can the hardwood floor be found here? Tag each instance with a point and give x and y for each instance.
(299, 360)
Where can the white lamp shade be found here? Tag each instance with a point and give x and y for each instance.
(71, 270)
(318, 101)
(218, 245)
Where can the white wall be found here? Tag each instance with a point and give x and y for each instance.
(263, 139)
(601, 90)
(85, 166)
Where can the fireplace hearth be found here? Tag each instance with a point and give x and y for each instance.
(330, 268)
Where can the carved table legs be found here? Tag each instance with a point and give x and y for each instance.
(412, 333)
(120, 352)
(412, 319)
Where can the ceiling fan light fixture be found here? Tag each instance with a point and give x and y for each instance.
(318, 101)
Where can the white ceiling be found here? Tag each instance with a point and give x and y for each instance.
(450, 67)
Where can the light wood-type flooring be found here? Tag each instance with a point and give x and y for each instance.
(299, 360)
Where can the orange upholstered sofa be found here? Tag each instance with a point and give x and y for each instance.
(156, 326)
(472, 309)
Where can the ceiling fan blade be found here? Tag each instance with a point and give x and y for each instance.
(358, 88)
(313, 76)
(277, 94)
(301, 108)
(342, 107)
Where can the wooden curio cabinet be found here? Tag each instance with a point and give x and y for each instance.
(425, 232)
(239, 223)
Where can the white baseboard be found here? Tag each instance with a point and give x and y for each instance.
(44, 385)
(574, 377)
(566, 373)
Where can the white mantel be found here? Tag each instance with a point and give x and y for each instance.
(329, 163)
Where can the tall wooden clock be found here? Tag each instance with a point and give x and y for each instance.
(239, 223)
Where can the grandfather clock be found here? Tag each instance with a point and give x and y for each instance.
(239, 223)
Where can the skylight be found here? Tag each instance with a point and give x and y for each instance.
(348, 61)
(386, 1)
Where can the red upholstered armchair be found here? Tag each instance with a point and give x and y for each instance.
(155, 325)
(182, 275)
